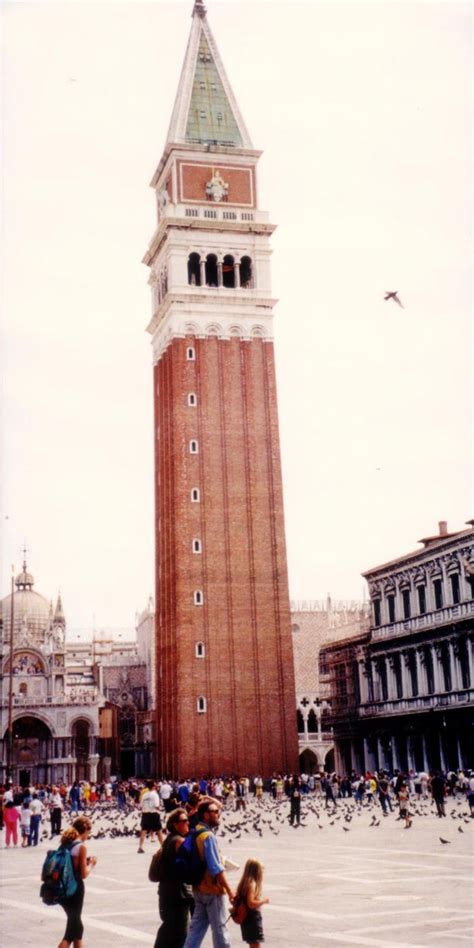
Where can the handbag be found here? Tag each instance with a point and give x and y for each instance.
(154, 872)
(239, 912)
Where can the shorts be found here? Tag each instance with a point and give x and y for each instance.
(25, 832)
(151, 822)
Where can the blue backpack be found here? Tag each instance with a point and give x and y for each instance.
(189, 866)
(57, 874)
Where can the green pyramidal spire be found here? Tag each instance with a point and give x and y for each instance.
(205, 110)
(210, 116)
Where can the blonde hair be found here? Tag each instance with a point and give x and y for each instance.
(253, 872)
(69, 836)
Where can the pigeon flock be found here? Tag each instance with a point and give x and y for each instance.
(269, 816)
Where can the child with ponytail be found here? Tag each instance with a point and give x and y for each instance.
(249, 895)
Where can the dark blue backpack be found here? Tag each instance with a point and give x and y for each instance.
(57, 874)
(189, 866)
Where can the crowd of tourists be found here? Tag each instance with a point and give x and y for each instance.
(182, 817)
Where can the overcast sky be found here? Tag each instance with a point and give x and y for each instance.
(363, 111)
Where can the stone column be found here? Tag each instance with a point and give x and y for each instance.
(410, 755)
(459, 754)
(425, 755)
(406, 678)
(420, 672)
(442, 760)
(436, 669)
(237, 274)
(395, 757)
(453, 665)
(364, 694)
(219, 272)
(202, 267)
(391, 683)
(470, 663)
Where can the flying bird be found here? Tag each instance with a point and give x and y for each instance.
(393, 295)
(445, 841)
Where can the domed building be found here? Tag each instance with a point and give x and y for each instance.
(53, 709)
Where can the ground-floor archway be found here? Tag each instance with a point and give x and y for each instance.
(31, 750)
(308, 761)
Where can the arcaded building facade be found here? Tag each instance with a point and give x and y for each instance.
(223, 646)
(403, 695)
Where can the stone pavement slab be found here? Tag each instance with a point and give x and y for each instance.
(336, 881)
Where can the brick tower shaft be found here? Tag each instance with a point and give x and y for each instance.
(225, 679)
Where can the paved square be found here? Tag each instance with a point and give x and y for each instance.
(346, 884)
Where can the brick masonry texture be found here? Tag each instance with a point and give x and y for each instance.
(247, 674)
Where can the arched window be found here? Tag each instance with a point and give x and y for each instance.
(198, 597)
(195, 495)
(192, 400)
(190, 354)
(201, 705)
(200, 650)
(211, 270)
(228, 275)
(246, 274)
(197, 546)
(194, 269)
(299, 722)
(312, 723)
(193, 447)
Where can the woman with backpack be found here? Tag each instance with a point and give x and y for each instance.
(75, 838)
(175, 898)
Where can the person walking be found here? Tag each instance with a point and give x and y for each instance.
(56, 809)
(295, 801)
(25, 823)
(438, 792)
(384, 794)
(11, 819)
(151, 820)
(209, 895)
(175, 898)
(36, 810)
(75, 838)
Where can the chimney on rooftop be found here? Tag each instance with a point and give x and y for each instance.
(443, 528)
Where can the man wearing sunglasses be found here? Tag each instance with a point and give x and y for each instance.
(209, 895)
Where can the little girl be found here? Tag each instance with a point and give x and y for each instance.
(249, 893)
(25, 823)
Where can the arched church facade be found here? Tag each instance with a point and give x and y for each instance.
(54, 712)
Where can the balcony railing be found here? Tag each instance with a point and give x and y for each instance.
(27, 701)
(461, 610)
(315, 738)
(419, 703)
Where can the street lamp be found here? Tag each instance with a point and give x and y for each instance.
(10, 682)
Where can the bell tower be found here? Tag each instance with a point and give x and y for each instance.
(225, 680)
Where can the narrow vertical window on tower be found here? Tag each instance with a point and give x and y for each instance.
(190, 354)
(194, 269)
(200, 650)
(201, 705)
(193, 446)
(197, 546)
(192, 399)
(246, 273)
(195, 495)
(228, 274)
(198, 597)
(211, 270)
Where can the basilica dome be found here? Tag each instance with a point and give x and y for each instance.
(32, 613)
